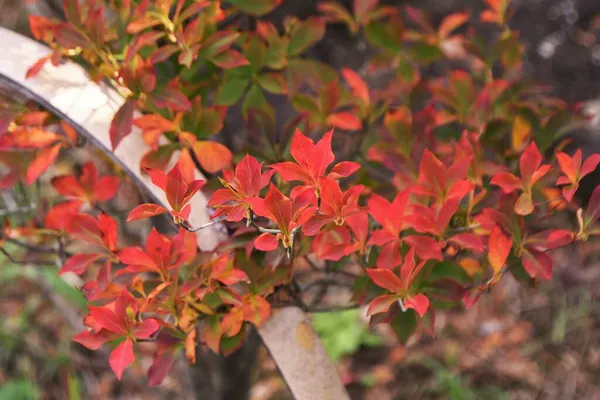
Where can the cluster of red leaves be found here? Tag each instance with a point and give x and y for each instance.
(29, 144)
(432, 219)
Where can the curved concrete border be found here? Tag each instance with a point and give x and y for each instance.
(67, 92)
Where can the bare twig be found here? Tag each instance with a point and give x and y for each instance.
(207, 225)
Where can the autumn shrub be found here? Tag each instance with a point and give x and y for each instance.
(447, 165)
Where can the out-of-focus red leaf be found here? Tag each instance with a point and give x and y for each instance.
(122, 123)
(44, 159)
(146, 211)
(121, 357)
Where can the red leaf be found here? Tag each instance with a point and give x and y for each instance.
(158, 178)
(569, 166)
(106, 188)
(58, 217)
(37, 67)
(419, 303)
(121, 357)
(530, 165)
(507, 182)
(107, 319)
(343, 169)
(362, 7)
(161, 365)
(136, 256)
(224, 272)
(108, 226)
(426, 247)
(332, 244)
(344, 120)
(176, 188)
(79, 263)
(589, 165)
(172, 98)
(229, 59)
(386, 279)
(146, 329)
(390, 215)
(537, 264)
(312, 159)
(68, 186)
(93, 341)
(381, 304)
(468, 241)
(390, 257)
(357, 84)
(146, 211)
(122, 123)
(410, 270)
(40, 26)
(266, 242)
(42, 161)
(85, 227)
(592, 213)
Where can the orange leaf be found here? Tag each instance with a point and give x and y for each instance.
(212, 156)
(69, 131)
(499, 248)
(344, 120)
(451, 23)
(520, 133)
(37, 67)
(190, 346)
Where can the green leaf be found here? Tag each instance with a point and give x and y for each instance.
(426, 53)
(273, 82)
(159, 158)
(62, 288)
(496, 129)
(217, 43)
(19, 390)
(518, 271)
(255, 99)
(343, 333)
(556, 125)
(230, 91)
(384, 35)
(276, 56)
(256, 53)
(447, 269)
(305, 103)
(231, 344)
(305, 35)
(74, 387)
(254, 7)
(210, 123)
(404, 324)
